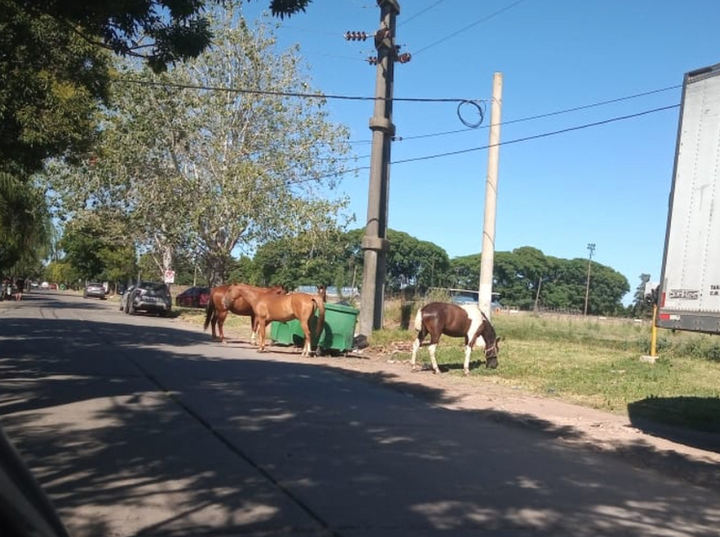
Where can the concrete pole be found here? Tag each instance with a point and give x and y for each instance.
(488, 243)
(591, 247)
(374, 243)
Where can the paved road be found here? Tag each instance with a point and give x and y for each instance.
(137, 425)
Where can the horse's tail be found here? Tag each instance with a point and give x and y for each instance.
(320, 304)
(209, 312)
(418, 320)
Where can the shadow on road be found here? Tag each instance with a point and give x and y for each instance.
(705, 411)
(136, 408)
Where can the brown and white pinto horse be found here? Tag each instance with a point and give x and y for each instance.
(227, 298)
(437, 318)
(301, 306)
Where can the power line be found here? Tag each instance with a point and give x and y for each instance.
(538, 136)
(515, 141)
(539, 116)
(461, 30)
(285, 93)
(419, 13)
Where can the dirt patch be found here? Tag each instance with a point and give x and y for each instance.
(686, 455)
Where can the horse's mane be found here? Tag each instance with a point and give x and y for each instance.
(488, 329)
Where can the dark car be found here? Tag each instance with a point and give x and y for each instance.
(193, 297)
(96, 290)
(151, 297)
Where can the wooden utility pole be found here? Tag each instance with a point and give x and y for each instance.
(488, 244)
(374, 243)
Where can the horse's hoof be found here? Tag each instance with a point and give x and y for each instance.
(467, 373)
(436, 371)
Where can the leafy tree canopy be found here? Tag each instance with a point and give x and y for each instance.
(211, 172)
(161, 32)
(24, 226)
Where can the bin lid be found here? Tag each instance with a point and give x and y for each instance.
(341, 308)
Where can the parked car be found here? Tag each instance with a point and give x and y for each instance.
(94, 289)
(151, 297)
(124, 294)
(193, 297)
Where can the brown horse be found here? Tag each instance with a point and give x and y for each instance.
(300, 306)
(437, 318)
(227, 298)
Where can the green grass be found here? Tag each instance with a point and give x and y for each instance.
(597, 363)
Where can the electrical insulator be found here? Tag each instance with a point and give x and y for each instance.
(404, 57)
(372, 60)
(356, 36)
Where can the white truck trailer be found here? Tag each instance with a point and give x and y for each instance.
(689, 291)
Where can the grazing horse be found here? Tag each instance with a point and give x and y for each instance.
(300, 306)
(437, 318)
(227, 298)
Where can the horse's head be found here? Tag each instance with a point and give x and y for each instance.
(491, 353)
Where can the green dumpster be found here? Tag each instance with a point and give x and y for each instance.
(337, 334)
(339, 330)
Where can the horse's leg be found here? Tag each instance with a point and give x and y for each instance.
(433, 345)
(416, 346)
(307, 347)
(468, 351)
(469, 346)
(254, 328)
(222, 315)
(262, 323)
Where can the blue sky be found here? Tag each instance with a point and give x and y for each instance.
(607, 184)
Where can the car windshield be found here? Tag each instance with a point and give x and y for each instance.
(153, 286)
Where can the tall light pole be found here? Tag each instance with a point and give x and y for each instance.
(591, 248)
(491, 184)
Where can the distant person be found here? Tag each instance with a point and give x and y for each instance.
(19, 288)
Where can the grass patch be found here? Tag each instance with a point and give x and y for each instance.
(596, 363)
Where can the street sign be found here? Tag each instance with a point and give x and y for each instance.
(169, 276)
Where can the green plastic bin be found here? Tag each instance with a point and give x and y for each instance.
(337, 334)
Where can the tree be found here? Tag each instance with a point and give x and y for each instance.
(411, 263)
(52, 83)
(161, 32)
(54, 72)
(212, 171)
(302, 260)
(62, 272)
(97, 247)
(25, 227)
(643, 303)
